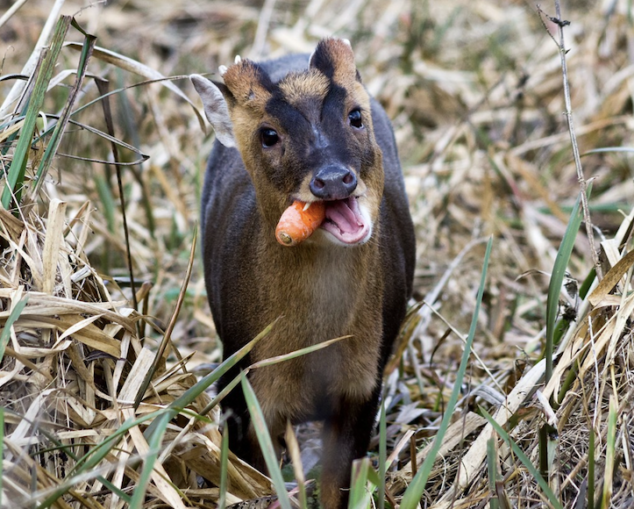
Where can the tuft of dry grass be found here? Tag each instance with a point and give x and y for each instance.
(475, 93)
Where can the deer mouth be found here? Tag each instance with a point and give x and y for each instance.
(346, 221)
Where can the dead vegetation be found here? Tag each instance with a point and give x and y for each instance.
(475, 93)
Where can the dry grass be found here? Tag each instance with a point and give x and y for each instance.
(475, 93)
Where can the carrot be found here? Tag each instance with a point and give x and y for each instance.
(297, 224)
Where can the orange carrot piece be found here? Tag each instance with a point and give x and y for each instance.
(297, 224)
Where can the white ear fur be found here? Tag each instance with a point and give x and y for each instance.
(216, 109)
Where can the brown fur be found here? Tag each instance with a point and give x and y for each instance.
(341, 55)
(300, 285)
(300, 273)
(322, 290)
(245, 82)
(300, 88)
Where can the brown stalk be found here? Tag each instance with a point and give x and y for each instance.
(102, 85)
(583, 183)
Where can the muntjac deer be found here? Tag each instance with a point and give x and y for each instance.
(304, 129)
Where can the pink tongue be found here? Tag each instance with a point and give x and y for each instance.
(347, 219)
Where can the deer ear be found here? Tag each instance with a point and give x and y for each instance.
(248, 84)
(216, 109)
(335, 59)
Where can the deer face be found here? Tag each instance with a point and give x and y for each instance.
(308, 137)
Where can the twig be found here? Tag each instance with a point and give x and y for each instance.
(102, 86)
(257, 51)
(12, 10)
(583, 184)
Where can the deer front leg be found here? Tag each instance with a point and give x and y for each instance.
(346, 437)
(242, 440)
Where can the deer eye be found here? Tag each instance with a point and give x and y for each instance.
(354, 117)
(269, 137)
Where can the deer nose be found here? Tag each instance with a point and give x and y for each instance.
(333, 183)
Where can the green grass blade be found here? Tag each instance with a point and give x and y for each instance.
(382, 455)
(556, 280)
(98, 453)
(224, 468)
(373, 479)
(568, 381)
(5, 335)
(17, 171)
(608, 149)
(107, 201)
(587, 283)
(60, 126)
(359, 495)
(193, 392)
(138, 497)
(223, 393)
(524, 459)
(414, 491)
(493, 472)
(610, 454)
(543, 450)
(266, 362)
(1, 451)
(270, 458)
(296, 353)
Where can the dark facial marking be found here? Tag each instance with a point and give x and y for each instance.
(334, 122)
(289, 117)
(322, 60)
(334, 102)
(313, 139)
